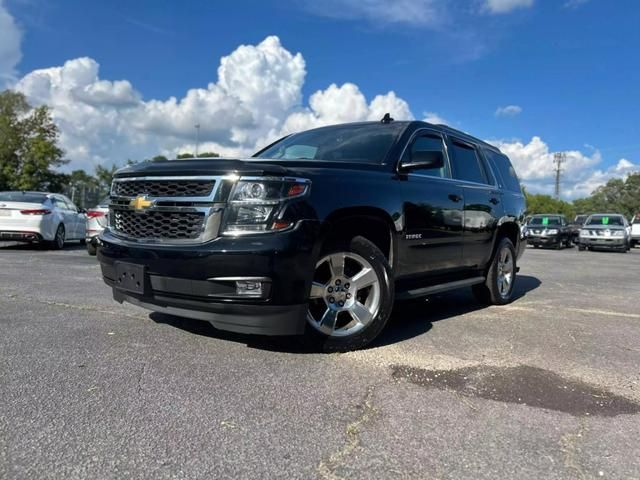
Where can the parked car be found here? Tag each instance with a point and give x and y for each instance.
(318, 233)
(635, 231)
(576, 226)
(96, 223)
(548, 230)
(40, 217)
(606, 231)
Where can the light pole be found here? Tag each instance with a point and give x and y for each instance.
(197, 137)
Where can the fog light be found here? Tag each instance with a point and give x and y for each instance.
(249, 288)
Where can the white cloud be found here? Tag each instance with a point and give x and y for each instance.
(574, 3)
(408, 12)
(581, 174)
(508, 111)
(506, 6)
(433, 117)
(257, 98)
(10, 52)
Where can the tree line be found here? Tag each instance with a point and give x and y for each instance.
(30, 155)
(30, 158)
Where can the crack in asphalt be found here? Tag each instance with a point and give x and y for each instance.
(570, 450)
(327, 469)
(71, 306)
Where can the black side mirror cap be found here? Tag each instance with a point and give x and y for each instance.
(424, 159)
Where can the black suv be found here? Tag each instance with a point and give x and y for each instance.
(549, 230)
(318, 233)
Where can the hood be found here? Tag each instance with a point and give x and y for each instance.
(200, 166)
(253, 166)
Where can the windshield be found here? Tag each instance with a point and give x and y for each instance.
(25, 197)
(606, 220)
(580, 219)
(361, 143)
(545, 221)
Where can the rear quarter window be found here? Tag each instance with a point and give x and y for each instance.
(502, 165)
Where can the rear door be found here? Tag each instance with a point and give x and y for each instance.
(432, 210)
(68, 216)
(482, 201)
(77, 218)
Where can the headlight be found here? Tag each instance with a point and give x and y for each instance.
(617, 233)
(584, 233)
(552, 231)
(254, 205)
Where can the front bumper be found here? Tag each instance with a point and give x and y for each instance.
(612, 242)
(543, 241)
(197, 281)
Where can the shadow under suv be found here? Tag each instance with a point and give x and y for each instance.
(318, 233)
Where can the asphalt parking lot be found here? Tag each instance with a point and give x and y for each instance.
(547, 387)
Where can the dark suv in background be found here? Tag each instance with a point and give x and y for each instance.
(318, 233)
(549, 230)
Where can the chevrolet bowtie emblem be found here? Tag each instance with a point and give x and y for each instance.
(141, 203)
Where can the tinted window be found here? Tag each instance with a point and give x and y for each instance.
(466, 163)
(427, 143)
(362, 143)
(22, 197)
(503, 167)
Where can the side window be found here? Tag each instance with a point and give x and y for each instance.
(466, 163)
(502, 165)
(427, 143)
(70, 205)
(59, 203)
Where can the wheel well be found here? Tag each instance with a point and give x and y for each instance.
(509, 230)
(372, 227)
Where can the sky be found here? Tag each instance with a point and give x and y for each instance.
(130, 80)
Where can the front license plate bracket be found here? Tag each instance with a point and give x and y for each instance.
(130, 277)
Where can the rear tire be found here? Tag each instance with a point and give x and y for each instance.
(356, 275)
(501, 276)
(83, 241)
(581, 248)
(91, 249)
(58, 240)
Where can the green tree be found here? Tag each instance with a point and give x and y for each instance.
(200, 155)
(104, 176)
(29, 151)
(537, 203)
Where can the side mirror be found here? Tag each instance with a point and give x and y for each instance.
(426, 159)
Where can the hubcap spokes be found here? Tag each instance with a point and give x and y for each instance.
(505, 272)
(348, 300)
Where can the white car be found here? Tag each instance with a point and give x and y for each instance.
(635, 231)
(96, 223)
(40, 217)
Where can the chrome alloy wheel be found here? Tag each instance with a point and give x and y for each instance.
(345, 294)
(505, 272)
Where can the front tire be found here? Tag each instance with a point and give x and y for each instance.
(351, 296)
(58, 240)
(501, 276)
(91, 249)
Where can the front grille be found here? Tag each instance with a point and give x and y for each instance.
(158, 224)
(163, 188)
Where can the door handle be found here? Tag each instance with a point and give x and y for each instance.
(494, 200)
(454, 198)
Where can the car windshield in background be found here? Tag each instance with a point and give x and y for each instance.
(580, 219)
(545, 221)
(104, 202)
(616, 220)
(25, 197)
(368, 143)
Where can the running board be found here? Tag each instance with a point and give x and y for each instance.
(443, 287)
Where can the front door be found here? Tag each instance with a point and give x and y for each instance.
(432, 239)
